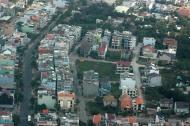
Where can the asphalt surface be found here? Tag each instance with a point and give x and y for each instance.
(27, 73)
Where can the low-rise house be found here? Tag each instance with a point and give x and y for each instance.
(154, 80)
(85, 48)
(46, 118)
(109, 100)
(149, 41)
(105, 88)
(166, 103)
(7, 73)
(47, 98)
(69, 119)
(66, 100)
(149, 52)
(122, 66)
(48, 80)
(170, 43)
(90, 83)
(181, 107)
(7, 98)
(125, 102)
(6, 119)
(138, 104)
(96, 120)
(102, 50)
(126, 121)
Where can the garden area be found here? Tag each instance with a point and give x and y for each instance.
(105, 70)
(113, 55)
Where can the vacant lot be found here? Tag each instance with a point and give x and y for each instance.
(105, 70)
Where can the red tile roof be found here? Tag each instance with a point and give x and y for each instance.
(102, 49)
(126, 101)
(45, 111)
(149, 48)
(50, 36)
(170, 42)
(124, 63)
(96, 119)
(35, 18)
(184, 11)
(66, 94)
(139, 100)
(132, 119)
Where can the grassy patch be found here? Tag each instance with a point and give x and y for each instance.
(104, 69)
(168, 78)
(115, 91)
(113, 55)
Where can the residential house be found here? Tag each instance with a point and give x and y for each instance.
(69, 119)
(149, 52)
(138, 104)
(7, 73)
(6, 118)
(90, 84)
(149, 41)
(126, 121)
(184, 11)
(154, 80)
(128, 86)
(109, 100)
(125, 102)
(102, 50)
(59, 3)
(46, 118)
(170, 45)
(181, 107)
(7, 98)
(116, 40)
(66, 100)
(96, 120)
(85, 47)
(46, 97)
(105, 88)
(122, 66)
(153, 76)
(166, 103)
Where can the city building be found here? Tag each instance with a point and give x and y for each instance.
(66, 100)
(122, 66)
(46, 118)
(69, 119)
(116, 40)
(90, 84)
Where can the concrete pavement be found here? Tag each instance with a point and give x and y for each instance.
(135, 66)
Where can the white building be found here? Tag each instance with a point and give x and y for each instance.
(128, 86)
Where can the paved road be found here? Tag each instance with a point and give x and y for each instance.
(135, 66)
(27, 73)
(83, 116)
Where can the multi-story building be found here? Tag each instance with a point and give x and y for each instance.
(90, 83)
(129, 41)
(128, 85)
(69, 120)
(66, 100)
(122, 66)
(116, 40)
(46, 118)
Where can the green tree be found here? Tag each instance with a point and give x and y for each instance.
(16, 119)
